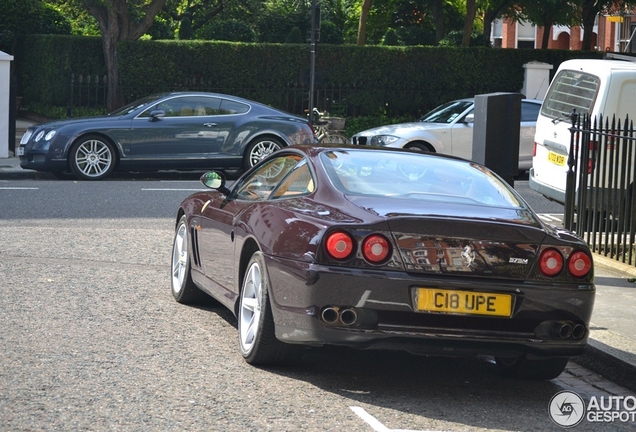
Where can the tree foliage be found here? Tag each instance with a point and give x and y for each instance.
(21, 17)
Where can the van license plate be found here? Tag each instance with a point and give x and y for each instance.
(556, 158)
(463, 302)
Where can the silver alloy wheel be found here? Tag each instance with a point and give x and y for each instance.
(250, 311)
(179, 258)
(261, 150)
(93, 158)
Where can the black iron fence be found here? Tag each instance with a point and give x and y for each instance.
(88, 92)
(600, 193)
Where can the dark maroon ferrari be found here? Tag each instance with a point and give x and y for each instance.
(384, 249)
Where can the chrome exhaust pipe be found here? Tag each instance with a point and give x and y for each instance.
(348, 316)
(562, 330)
(578, 331)
(329, 315)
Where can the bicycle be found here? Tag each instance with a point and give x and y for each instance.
(323, 131)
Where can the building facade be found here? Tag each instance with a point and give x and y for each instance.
(613, 33)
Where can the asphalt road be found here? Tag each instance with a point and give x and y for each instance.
(92, 339)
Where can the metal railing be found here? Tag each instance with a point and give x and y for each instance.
(341, 100)
(87, 92)
(600, 192)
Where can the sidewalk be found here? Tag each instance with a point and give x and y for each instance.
(611, 351)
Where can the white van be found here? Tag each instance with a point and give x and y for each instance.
(595, 87)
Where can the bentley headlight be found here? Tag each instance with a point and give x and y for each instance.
(384, 140)
(49, 136)
(39, 136)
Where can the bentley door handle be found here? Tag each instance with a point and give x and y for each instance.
(209, 125)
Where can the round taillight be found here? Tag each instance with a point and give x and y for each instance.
(579, 264)
(551, 262)
(376, 248)
(339, 245)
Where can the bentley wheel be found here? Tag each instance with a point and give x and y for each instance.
(257, 338)
(259, 150)
(532, 369)
(92, 158)
(183, 288)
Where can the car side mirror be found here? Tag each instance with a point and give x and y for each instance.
(215, 180)
(156, 115)
(470, 118)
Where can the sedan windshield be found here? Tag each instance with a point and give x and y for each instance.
(416, 176)
(447, 113)
(134, 106)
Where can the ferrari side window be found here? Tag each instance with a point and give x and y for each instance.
(298, 182)
(260, 184)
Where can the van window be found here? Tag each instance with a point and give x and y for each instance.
(570, 90)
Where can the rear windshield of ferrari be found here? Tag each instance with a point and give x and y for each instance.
(417, 176)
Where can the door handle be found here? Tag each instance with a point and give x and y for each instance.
(209, 125)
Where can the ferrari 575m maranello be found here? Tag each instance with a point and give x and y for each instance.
(377, 248)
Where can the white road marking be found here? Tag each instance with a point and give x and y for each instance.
(551, 217)
(171, 189)
(19, 188)
(375, 423)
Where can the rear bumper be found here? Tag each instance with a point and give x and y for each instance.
(300, 292)
(548, 191)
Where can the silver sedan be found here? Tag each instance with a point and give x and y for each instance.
(449, 129)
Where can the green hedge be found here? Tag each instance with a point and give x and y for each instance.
(369, 80)
(44, 65)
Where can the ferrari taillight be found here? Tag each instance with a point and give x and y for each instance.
(579, 264)
(376, 248)
(551, 262)
(339, 245)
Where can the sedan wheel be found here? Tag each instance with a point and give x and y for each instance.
(183, 288)
(259, 150)
(92, 158)
(257, 336)
(532, 369)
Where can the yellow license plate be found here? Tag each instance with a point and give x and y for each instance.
(463, 302)
(556, 158)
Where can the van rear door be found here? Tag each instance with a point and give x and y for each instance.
(570, 90)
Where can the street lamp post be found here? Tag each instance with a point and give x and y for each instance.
(315, 29)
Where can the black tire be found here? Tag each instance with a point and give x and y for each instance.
(184, 289)
(420, 146)
(257, 335)
(259, 150)
(92, 158)
(532, 369)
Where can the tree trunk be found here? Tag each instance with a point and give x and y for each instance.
(545, 40)
(489, 17)
(588, 15)
(114, 95)
(116, 25)
(471, 11)
(362, 25)
(438, 18)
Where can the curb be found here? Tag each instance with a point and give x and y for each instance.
(614, 360)
(600, 359)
